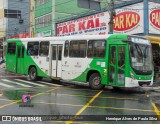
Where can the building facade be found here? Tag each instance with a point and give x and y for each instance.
(49, 12)
(14, 19)
(43, 18)
(139, 17)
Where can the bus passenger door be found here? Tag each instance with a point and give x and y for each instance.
(20, 59)
(56, 57)
(117, 65)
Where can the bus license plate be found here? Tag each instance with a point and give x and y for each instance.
(144, 85)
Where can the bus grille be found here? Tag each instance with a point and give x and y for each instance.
(141, 83)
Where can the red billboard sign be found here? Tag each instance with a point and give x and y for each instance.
(126, 20)
(155, 17)
(25, 35)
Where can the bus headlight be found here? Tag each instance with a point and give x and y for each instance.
(132, 76)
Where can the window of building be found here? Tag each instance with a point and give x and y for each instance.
(11, 48)
(77, 49)
(41, 2)
(47, 19)
(44, 48)
(96, 48)
(44, 20)
(32, 48)
(45, 1)
(37, 2)
(66, 48)
(8, 13)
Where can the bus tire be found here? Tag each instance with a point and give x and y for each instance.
(95, 81)
(33, 74)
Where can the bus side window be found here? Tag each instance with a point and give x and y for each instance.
(66, 48)
(96, 48)
(82, 48)
(11, 48)
(90, 49)
(44, 48)
(78, 48)
(33, 48)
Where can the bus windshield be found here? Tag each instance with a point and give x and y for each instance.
(141, 58)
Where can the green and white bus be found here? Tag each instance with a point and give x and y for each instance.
(117, 60)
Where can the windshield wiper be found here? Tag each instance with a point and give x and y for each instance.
(139, 50)
(145, 56)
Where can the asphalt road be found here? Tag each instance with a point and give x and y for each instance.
(68, 102)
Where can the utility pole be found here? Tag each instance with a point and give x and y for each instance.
(112, 14)
(53, 31)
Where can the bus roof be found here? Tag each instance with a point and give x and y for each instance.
(78, 37)
(57, 38)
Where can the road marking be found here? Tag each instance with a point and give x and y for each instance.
(130, 109)
(6, 100)
(98, 107)
(156, 110)
(9, 81)
(32, 96)
(107, 97)
(28, 82)
(49, 83)
(52, 103)
(5, 85)
(84, 107)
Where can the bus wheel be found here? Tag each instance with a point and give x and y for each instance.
(95, 82)
(33, 74)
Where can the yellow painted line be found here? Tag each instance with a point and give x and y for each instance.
(9, 104)
(130, 109)
(84, 107)
(56, 104)
(32, 96)
(99, 107)
(107, 97)
(156, 110)
(6, 100)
